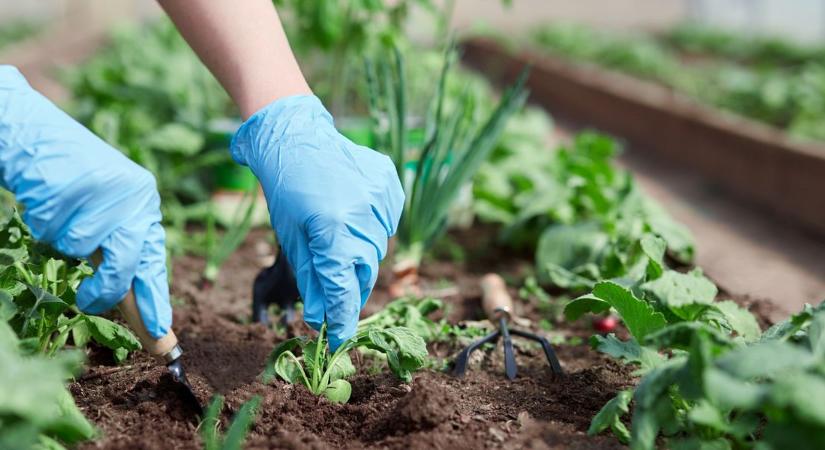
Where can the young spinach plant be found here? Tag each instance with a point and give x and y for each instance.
(325, 374)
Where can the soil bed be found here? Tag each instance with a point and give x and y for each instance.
(135, 405)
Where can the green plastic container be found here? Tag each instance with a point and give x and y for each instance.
(229, 176)
(357, 129)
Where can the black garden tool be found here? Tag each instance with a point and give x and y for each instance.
(275, 285)
(498, 306)
(166, 349)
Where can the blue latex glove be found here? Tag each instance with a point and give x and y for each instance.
(80, 194)
(333, 205)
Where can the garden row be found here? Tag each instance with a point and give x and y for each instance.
(709, 377)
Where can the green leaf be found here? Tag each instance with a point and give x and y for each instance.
(286, 346)
(341, 368)
(802, 393)
(241, 423)
(81, 334)
(704, 413)
(765, 360)
(7, 307)
(739, 320)
(564, 248)
(338, 391)
(816, 335)
(610, 416)
(628, 351)
(585, 304)
(639, 317)
(211, 422)
(729, 392)
(686, 295)
(110, 334)
(653, 408)
(288, 367)
(654, 248)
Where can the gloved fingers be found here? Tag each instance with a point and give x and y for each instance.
(366, 270)
(387, 194)
(312, 294)
(368, 227)
(342, 299)
(113, 277)
(151, 284)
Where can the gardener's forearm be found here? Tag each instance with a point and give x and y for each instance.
(244, 45)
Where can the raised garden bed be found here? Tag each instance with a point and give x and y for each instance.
(134, 405)
(747, 157)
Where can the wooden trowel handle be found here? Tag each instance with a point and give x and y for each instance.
(165, 348)
(494, 298)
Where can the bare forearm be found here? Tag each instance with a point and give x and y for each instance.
(245, 47)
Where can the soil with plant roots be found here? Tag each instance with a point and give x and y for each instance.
(136, 405)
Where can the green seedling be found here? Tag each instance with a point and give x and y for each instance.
(325, 374)
(454, 147)
(235, 436)
(219, 249)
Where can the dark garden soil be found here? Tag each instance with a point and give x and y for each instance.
(135, 405)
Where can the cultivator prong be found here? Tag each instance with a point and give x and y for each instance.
(275, 285)
(498, 306)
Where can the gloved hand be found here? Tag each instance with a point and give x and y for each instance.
(80, 194)
(333, 205)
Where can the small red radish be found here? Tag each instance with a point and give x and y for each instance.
(605, 324)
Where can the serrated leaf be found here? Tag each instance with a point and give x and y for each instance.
(628, 351)
(638, 316)
(585, 304)
(686, 294)
(610, 417)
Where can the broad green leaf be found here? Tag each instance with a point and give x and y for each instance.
(566, 247)
(681, 336)
(695, 443)
(765, 360)
(628, 351)
(338, 391)
(739, 320)
(686, 294)
(704, 413)
(610, 416)
(585, 304)
(288, 367)
(285, 346)
(727, 391)
(653, 410)
(71, 425)
(654, 248)
(7, 306)
(341, 368)
(81, 334)
(111, 334)
(802, 393)
(638, 316)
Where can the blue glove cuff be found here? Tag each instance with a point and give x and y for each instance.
(275, 122)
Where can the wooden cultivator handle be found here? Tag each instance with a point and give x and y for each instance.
(165, 348)
(494, 299)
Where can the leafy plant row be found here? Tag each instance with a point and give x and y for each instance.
(766, 79)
